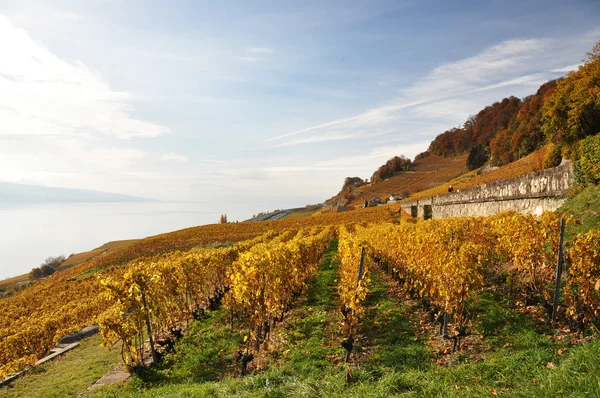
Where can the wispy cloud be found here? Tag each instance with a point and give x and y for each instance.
(332, 136)
(66, 15)
(259, 50)
(171, 156)
(166, 55)
(468, 74)
(370, 160)
(256, 54)
(373, 116)
(43, 94)
(566, 69)
(209, 159)
(498, 66)
(249, 59)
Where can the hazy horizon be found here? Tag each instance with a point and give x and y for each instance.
(33, 232)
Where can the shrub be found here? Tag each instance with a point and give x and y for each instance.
(47, 269)
(553, 157)
(422, 155)
(36, 274)
(578, 173)
(589, 158)
(576, 189)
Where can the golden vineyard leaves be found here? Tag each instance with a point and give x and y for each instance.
(445, 261)
(261, 277)
(353, 285)
(166, 279)
(582, 293)
(33, 320)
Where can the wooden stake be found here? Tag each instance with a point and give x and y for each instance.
(559, 267)
(361, 265)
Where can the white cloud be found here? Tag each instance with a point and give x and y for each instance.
(60, 160)
(71, 16)
(491, 65)
(451, 108)
(170, 156)
(259, 50)
(209, 159)
(249, 59)
(369, 161)
(42, 94)
(566, 69)
(498, 66)
(332, 136)
(371, 117)
(257, 54)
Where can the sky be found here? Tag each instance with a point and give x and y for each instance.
(266, 103)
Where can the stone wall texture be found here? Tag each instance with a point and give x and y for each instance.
(536, 192)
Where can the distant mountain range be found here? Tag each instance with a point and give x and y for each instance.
(14, 193)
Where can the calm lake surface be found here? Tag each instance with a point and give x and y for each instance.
(29, 234)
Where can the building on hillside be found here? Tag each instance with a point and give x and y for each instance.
(395, 198)
(375, 201)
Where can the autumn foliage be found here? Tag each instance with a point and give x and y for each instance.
(561, 112)
(395, 164)
(477, 130)
(33, 320)
(573, 111)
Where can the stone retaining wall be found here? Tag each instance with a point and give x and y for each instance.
(536, 192)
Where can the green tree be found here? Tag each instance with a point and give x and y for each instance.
(47, 269)
(589, 161)
(477, 157)
(553, 157)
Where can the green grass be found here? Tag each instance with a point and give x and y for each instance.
(68, 375)
(585, 206)
(392, 344)
(515, 359)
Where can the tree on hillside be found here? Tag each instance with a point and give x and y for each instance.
(36, 273)
(47, 269)
(524, 132)
(573, 111)
(477, 157)
(493, 119)
(353, 182)
(422, 155)
(223, 219)
(54, 262)
(477, 130)
(393, 165)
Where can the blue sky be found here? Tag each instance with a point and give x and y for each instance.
(273, 102)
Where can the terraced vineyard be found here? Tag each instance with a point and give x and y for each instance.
(396, 307)
(33, 320)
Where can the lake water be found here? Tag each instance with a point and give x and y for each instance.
(29, 234)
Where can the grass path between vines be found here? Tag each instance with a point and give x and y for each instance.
(68, 375)
(393, 356)
(308, 361)
(513, 358)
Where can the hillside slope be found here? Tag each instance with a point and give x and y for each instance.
(584, 207)
(426, 173)
(479, 176)
(7, 285)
